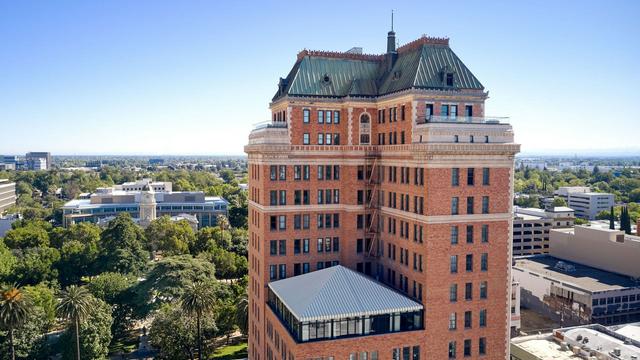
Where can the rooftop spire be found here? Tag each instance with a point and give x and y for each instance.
(391, 38)
(391, 19)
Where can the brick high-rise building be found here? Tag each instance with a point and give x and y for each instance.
(386, 165)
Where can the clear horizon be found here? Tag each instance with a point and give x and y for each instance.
(190, 78)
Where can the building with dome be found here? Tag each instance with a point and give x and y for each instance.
(145, 200)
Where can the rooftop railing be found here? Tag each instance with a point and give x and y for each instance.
(462, 119)
(270, 124)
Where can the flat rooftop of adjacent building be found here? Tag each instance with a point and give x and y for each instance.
(338, 292)
(544, 347)
(86, 203)
(583, 277)
(603, 340)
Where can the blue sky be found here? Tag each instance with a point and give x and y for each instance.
(191, 77)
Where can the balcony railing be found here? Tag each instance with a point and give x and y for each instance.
(270, 124)
(462, 119)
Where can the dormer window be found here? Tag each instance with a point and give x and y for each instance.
(396, 75)
(449, 79)
(326, 79)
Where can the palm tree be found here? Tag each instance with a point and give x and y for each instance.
(15, 307)
(199, 299)
(75, 304)
(242, 314)
(223, 223)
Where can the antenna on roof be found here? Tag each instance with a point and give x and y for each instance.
(391, 19)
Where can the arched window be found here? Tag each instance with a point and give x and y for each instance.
(364, 118)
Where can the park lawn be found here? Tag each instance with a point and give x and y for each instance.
(238, 351)
(124, 344)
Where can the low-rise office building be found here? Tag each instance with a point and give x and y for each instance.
(38, 160)
(573, 293)
(602, 248)
(531, 228)
(145, 204)
(7, 194)
(580, 342)
(587, 204)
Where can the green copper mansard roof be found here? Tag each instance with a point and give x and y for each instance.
(421, 64)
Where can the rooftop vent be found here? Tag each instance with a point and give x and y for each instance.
(563, 266)
(617, 351)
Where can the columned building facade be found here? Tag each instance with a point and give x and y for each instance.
(387, 165)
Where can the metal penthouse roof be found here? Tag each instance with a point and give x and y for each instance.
(338, 292)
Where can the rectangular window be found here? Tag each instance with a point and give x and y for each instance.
(328, 116)
(483, 290)
(455, 177)
(305, 246)
(282, 172)
(428, 111)
(469, 262)
(273, 197)
(485, 233)
(482, 346)
(454, 206)
(282, 222)
(336, 117)
(306, 113)
(452, 321)
(272, 272)
(336, 244)
(470, 176)
(454, 263)
(336, 172)
(306, 172)
(297, 221)
(305, 268)
(485, 176)
(320, 117)
(470, 205)
(444, 110)
(328, 138)
(452, 349)
(467, 319)
(273, 247)
(485, 204)
(454, 235)
(483, 318)
(467, 347)
(273, 223)
(320, 245)
(282, 270)
(296, 246)
(469, 234)
(453, 292)
(273, 172)
(468, 291)
(297, 172)
(283, 197)
(305, 139)
(468, 111)
(416, 349)
(320, 139)
(484, 262)
(283, 247)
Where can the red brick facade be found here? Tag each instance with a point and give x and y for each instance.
(412, 247)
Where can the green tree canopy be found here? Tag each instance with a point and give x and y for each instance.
(170, 237)
(122, 247)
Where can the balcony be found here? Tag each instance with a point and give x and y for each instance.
(269, 132)
(462, 119)
(270, 124)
